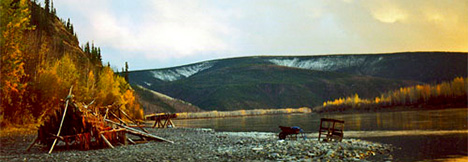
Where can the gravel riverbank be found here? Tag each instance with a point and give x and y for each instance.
(194, 144)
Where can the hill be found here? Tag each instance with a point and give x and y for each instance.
(297, 81)
(155, 102)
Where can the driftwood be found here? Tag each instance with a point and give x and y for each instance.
(139, 133)
(86, 127)
(63, 118)
(33, 143)
(131, 141)
(134, 121)
(107, 141)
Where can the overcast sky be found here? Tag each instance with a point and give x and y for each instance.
(164, 33)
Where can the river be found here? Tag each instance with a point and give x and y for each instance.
(417, 135)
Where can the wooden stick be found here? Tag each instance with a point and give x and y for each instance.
(126, 115)
(134, 121)
(121, 121)
(107, 142)
(63, 117)
(139, 133)
(155, 123)
(171, 123)
(34, 142)
(131, 141)
(107, 110)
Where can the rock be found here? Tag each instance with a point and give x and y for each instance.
(330, 153)
(257, 148)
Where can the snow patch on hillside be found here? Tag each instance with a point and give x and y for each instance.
(160, 95)
(181, 72)
(148, 84)
(320, 64)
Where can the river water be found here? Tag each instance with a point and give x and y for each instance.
(417, 135)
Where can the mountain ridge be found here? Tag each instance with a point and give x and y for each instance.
(258, 82)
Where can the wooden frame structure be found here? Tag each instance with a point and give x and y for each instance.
(162, 120)
(88, 128)
(332, 129)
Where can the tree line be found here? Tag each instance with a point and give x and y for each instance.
(39, 64)
(445, 94)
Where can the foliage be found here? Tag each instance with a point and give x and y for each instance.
(220, 114)
(15, 17)
(92, 51)
(451, 93)
(39, 65)
(53, 83)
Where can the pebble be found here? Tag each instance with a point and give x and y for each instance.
(193, 144)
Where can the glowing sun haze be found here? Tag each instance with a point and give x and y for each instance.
(164, 33)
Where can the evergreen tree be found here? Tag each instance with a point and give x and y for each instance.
(126, 71)
(68, 23)
(52, 9)
(86, 49)
(99, 54)
(47, 6)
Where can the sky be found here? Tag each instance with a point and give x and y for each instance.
(151, 34)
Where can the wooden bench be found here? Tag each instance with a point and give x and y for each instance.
(285, 131)
(332, 129)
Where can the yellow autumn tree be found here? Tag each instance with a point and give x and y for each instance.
(443, 94)
(53, 82)
(112, 89)
(14, 21)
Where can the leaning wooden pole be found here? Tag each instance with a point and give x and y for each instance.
(33, 143)
(133, 120)
(63, 117)
(107, 141)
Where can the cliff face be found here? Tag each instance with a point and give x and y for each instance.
(296, 81)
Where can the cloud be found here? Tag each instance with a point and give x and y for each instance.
(388, 12)
(163, 33)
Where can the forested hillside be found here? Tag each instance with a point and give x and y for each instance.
(41, 59)
(451, 94)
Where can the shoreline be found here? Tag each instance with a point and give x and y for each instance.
(239, 116)
(194, 144)
(395, 109)
(238, 113)
(392, 109)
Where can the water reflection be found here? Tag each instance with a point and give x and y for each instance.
(449, 119)
(420, 135)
